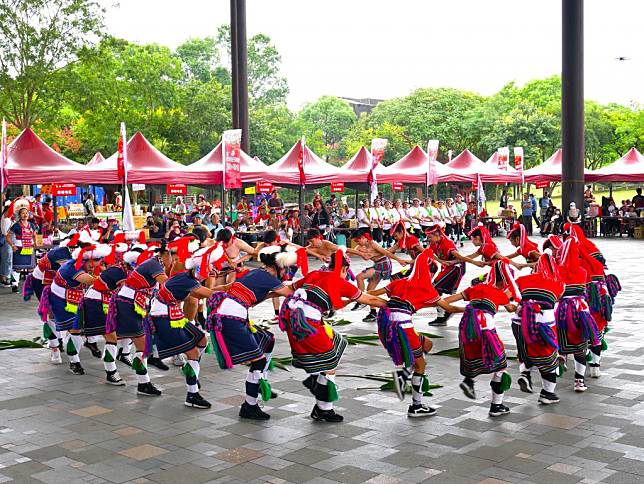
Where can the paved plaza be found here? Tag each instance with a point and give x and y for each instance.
(57, 427)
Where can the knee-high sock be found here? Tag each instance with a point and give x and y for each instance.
(495, 384)
(15, 278)
(109, 357)
(595, 355)
(322, 392)
(124, 345)
(268, 357)
(580, 366)
(549, 381)
(73, 345)
(416, 388)
(93, 339)
(140, 365)
(191, 372)
(252, 386)
(49, 330)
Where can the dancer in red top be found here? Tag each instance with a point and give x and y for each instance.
(534, 329)
(486, 248)
(397, 334)
(481, 349)
(518, 237)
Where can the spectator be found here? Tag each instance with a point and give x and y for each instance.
(6, 254)
(546, 226)
(154, 228)
(262, 213)
(180, 207)
(175, 231)
(36, 208)
(273, 220)
(243, 208)
(333, 201)
(90, 208)
(503, 203)
(526, 213)
(588, 195)
(118, 202)
(544, 204)
(638, 201)
(214, 225)
(535, 205)
(276, 203)
(347, 213)
(363, 216)
(320, 218)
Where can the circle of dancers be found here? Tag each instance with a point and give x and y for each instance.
(183, 299)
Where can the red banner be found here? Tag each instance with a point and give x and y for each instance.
(475, 185)
(263, 187)
(518, 158)
(397, 187)
(176, 189)
(232, 158)
(337, 187)
(542, 185)
(63, 189)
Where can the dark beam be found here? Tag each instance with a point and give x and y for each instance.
(572, 104)
(242, 73)
(234, 61)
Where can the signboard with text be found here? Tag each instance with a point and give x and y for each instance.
(397, 186)
(232, 158)
(337, 187)
(264, 187)
(63, 189)
(175, 189)
(542, 185)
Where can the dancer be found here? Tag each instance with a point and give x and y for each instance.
(518, 237)
(172, 329)
(398, 336)
(21, 237)
(233, 268)
(65, 294)
(485, 246)
(534, 327)
(379, 272)
(480, 348)
(452, 268)
(236, 340)
(42, 276)
(315, 346)
(410, 245)
(576, 328)
(129, 306)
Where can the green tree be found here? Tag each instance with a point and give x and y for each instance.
(37, 39)
(327, 119)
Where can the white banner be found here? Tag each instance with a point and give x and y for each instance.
(138, 187)
(503, 155)
(518, 158)
(377, 153)
(432, 155)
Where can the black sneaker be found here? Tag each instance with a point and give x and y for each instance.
(357, 306)
(420, 410)
(274, 394)
(113, 378)
(125, 358)
(158, 363)
(14, 288)
(400, 380)
(76, 369)
(548, 398)
(369, 318)
(320, 415)
(148, 389)
(93, 348)
(439, 321)
(197, 401)
(468, 388)
(252, 412)
(498, 409)
(525, 382)
(310, 383)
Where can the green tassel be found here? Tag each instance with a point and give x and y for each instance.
(140, 311)
(137, 364)
(604, 344)
(47, 333)
(71, 308)
(607, 329)
(106, 308)
(425, 385)
(265, 389)
(71, 349)
(408, 359)
(333, 391)
(562, 369)
(108, 358)
(188, 371)
(589, 357)
(209, 349)
(506, 382)
(271, 365)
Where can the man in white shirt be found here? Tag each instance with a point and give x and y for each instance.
(364, 216)
(6, 255)
(377, 220)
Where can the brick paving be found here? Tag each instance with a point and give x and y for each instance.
(57, 427)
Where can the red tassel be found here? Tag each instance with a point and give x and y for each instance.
(145, 255)
(119, 238)
(81, 254)
(110, 259)
(204, 268)
(303, 260)
(142, 237)
(338, 259)
(73, 240)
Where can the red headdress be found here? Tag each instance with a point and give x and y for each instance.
(72, 241)
(501, 269)
(485, 233)
(525, 245)
(547, 267)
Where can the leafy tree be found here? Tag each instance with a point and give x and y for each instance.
(328, 119)
(37, 39)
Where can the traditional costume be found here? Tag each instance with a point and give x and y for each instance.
(535, 328)
(398, 336)
(24, 257)
(315, 346)
(481, 349)
(527, 249)
(576, 328)
(449, 277)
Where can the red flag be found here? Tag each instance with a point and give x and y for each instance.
(4, 156)
(121, 168)
(300, 162)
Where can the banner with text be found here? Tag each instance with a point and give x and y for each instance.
(503, 156)
(264, 187)
(337, 187)
(63, 189)
(232, 157)
(432, 155)
(542, 185)
(518, 158)
(175, 189)
(397, 187)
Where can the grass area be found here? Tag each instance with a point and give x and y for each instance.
(618, 195)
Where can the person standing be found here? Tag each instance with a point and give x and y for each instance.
(526, 213)
(6, 254)
(638, 201)
(276, 203)
(503, 203)
(535, 206)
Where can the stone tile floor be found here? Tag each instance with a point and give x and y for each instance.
(57, 427)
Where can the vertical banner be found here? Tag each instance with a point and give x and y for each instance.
(121, 165)
(518, 158)
(503, 154)
(449, 155)
(377, 154)
(300, 161)
(4, 155)
(432, 155)
(232, 157)
(480, 195)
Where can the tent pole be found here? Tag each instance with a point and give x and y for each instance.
(610, 189)
(222, 210)
(356, 201)
(301, 205)
(53, 199)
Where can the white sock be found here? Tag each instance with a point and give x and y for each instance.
(111, 349)
(322, 380)
(142, 377)
(124, 345)
(93, 339)
(548, 385)
(497, 398)
(193, 388)
(77, 340)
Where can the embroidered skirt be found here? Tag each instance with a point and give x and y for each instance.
(448, 279)
(243, 344)
(173, 341)
(93, 317)
(129, 324)
(64, 319)
(22, 262)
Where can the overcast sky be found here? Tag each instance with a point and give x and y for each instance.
(386, 48)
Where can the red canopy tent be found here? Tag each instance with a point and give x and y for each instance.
(411, 168)
(97, 159)
(148, 165)
(32, 161)
(549, 170)
(211, 167)
(629, 168)
(285, 171)
(360, 162)
(466, 167)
